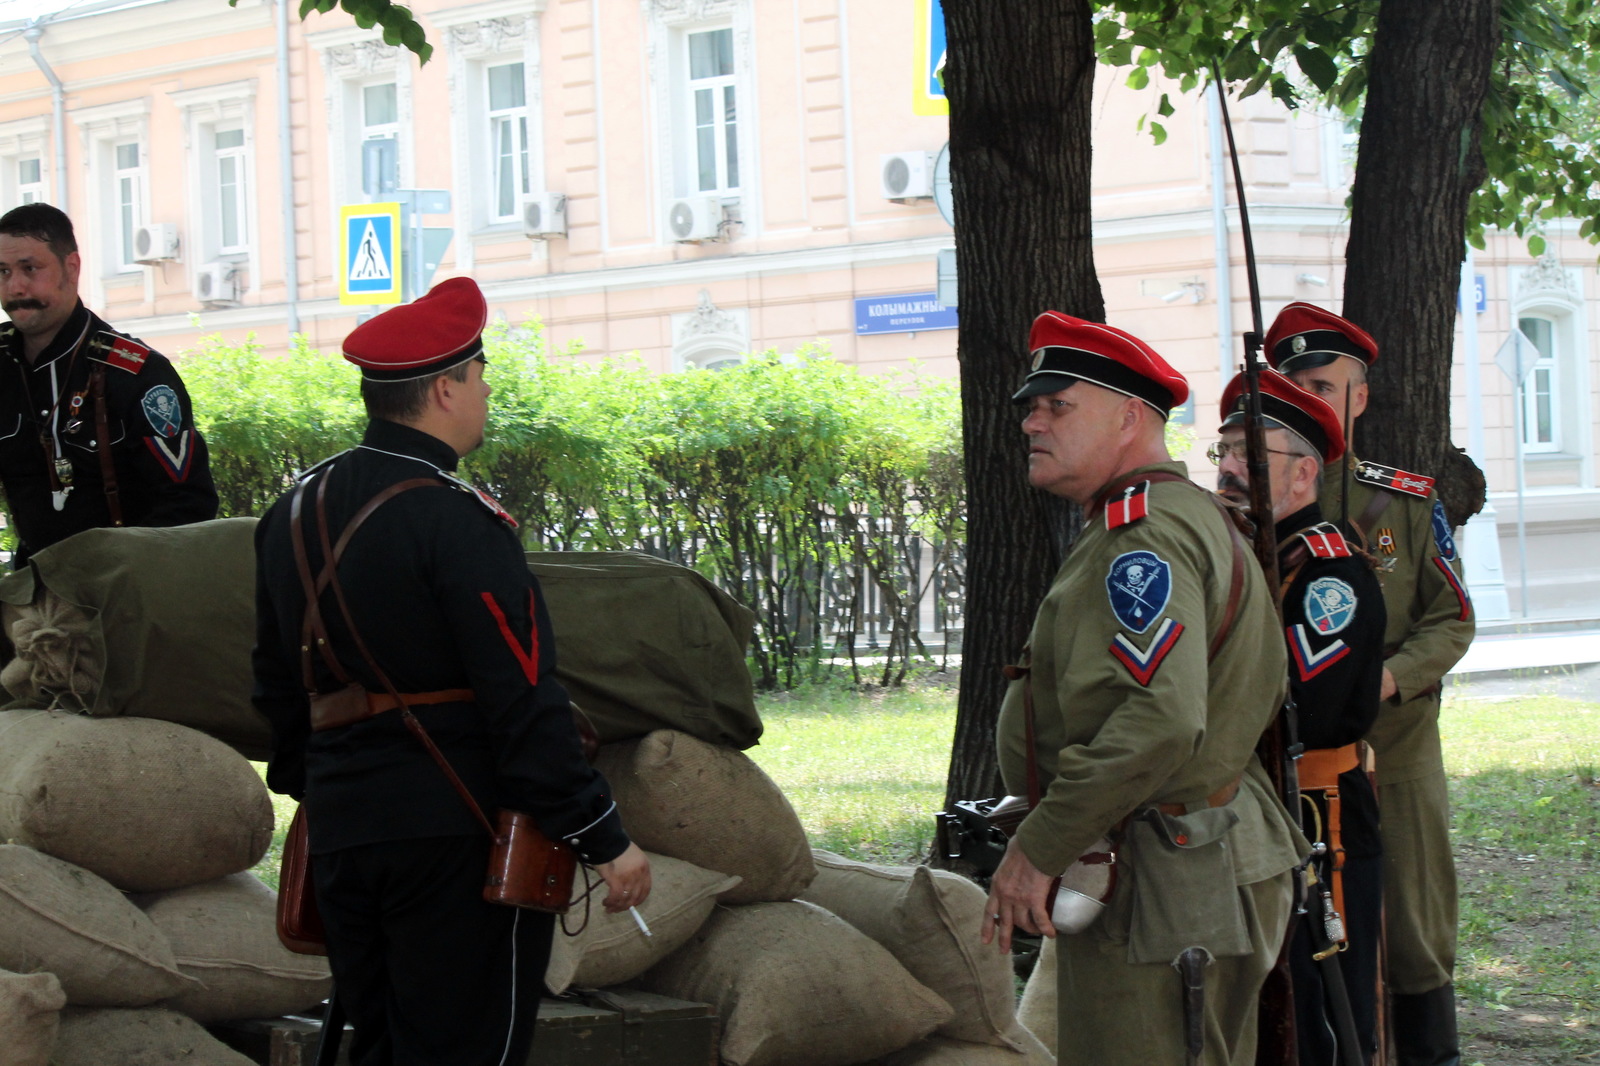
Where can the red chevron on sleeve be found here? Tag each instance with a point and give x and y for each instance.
(1460, 589)
(529, 660)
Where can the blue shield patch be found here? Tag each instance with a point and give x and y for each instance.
(1330, 605)
(1139, 584)
(162, 409)
(1441, 533)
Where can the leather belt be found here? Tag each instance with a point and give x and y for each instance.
(330, 710)
(1321, 767)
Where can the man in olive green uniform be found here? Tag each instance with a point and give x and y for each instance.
(1150, 680)
(1430, 626)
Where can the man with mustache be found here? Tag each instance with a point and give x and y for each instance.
(1154, 665)
(1397, 517)
(1333, 618)
(95, 428)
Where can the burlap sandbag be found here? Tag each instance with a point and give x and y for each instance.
(645, 644)
(147, 805)
(795, 986)
(224, 934)
(710, 806)
(942, 1051)
(30, 1008)
(163, 627)
(611, 949)
(932, 922)
(149, 1037)
(60, 919)
(1038, 1010)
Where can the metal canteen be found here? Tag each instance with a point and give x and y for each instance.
(1073, 912)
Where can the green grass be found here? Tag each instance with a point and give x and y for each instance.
(865, 772)
(1526, 813)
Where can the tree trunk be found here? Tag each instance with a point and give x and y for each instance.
(1019, 77)
(1417, 165)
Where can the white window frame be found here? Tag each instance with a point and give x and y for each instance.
(1554, 292)
(369, 132)
(513, 122)
(1540, 387)
(353, 58)
(19, 141)
(477, 37)
(104, 128)
(670, 22)
(130, 197)
(713, 90)
(207, 112)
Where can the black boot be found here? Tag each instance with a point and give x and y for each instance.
(1425, 1028)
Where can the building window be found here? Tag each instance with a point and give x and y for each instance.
(127, 199)
(1541, 411)
(380, 139)
(30, 181)
(714, 111)
(233, 227)
(508, 140)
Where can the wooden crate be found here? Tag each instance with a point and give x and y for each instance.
(610, 1027)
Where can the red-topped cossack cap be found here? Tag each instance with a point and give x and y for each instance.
(1285, 404)
(1068, 350)
(1305, 336)
(427, 336)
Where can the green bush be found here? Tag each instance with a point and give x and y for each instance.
(804, 487)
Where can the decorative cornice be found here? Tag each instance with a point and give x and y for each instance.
(679, 12)
(1547, 277)
(359, 58)
(707, 320)
(488, 36)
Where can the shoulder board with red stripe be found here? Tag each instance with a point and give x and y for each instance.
(1128, 508)
(1388, 477)
(490, 504)
(1325, 541)
(124, 353)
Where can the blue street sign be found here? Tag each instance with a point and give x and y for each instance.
(910, 312)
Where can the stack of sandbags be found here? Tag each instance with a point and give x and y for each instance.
(153, 622)
(810, 960)
(96, 808)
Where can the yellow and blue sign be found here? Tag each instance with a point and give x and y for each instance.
(928, 32)
(370, 267)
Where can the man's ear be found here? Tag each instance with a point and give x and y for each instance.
(1358, 401)
(442, 392)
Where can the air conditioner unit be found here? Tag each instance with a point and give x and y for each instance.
(544, 215)
(695, 218)
(906, 176)
(217, 283)
(155, 243)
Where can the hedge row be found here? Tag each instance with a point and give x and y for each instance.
(812, 492)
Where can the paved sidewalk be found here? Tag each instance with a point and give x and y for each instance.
(1501, 652)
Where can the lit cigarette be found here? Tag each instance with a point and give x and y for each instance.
(639, 920)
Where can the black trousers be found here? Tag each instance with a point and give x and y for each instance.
(430, 974)
(1314, 1024)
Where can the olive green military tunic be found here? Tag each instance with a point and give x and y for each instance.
(1430, 627)
(1130, 714)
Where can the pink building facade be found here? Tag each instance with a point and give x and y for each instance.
(693, 180)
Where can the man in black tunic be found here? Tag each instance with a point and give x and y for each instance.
(439, 593)
(1334, 619)
(96, 429)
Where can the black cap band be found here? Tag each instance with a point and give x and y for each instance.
(1282, 413)
(1314, 348)
(1053, 364)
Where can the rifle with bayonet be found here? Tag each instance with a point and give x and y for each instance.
(1280, 745)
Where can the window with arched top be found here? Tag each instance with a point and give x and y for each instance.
(1541, 413)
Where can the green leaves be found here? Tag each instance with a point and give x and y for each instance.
(400, 26)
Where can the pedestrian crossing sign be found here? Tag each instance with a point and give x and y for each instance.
(369, 254)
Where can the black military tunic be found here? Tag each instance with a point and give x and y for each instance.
(1334, 620)
(50, 461)
(439, 591)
